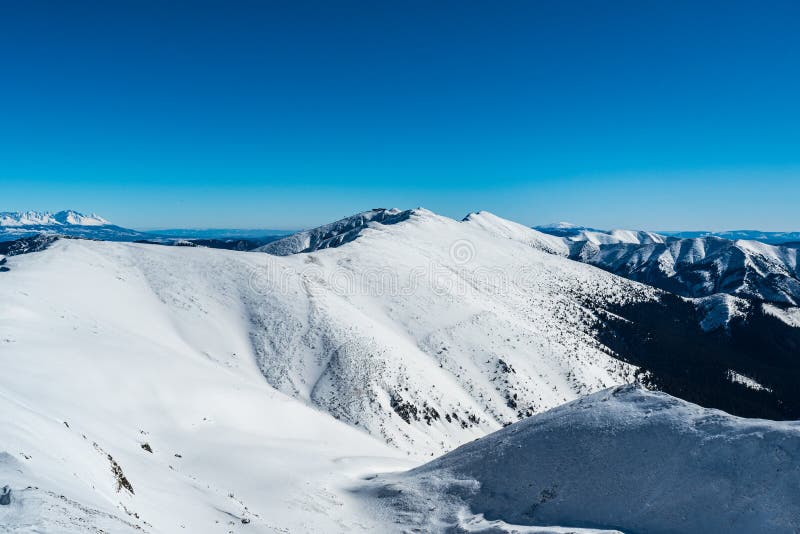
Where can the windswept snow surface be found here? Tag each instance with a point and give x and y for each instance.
(625, 458)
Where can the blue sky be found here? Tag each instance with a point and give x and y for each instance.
(659, 115)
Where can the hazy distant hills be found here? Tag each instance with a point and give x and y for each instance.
(566, 229)
(775, 238)
(70, 223)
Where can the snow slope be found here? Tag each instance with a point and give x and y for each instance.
(333, 234)
(228, 366)
(101, 355)
(440, 322)
(398, 333)
(503, 228)
(625, 458)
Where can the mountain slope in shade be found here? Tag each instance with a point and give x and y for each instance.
(626, 459)
(333, 234)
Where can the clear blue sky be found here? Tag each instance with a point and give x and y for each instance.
(660, 115)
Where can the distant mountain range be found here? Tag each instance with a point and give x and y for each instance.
(70, 223)
(775, 238)
(566, 229)
(698, 266)
(45, 218)
(691, 267)
(16, 225)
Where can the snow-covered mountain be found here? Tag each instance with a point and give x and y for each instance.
(584, 233)
(17, 225)
(627, 459)
(701, 267)
(660, 335)
(772, 238)
(398, 333)
(575, 233)
(214, 390)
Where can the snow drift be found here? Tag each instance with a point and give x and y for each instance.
(625, 458)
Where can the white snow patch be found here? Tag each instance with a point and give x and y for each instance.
(738, 378)
(719, 310)
(790, 316)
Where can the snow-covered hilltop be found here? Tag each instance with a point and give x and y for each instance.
(626, 459)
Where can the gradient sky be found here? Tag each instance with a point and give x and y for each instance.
(658, 115)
